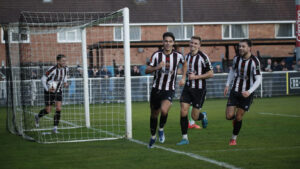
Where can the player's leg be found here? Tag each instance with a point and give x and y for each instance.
(58, 104)
(237, 125)
(184, 123)
(165, 106)
(49, 100)
(198, 101)
(192, 123)
(155, 104)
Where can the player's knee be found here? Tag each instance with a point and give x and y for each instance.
(58, 109)
(229, 116)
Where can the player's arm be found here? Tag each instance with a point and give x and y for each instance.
(151, 69)
(66, 84)
(44, 82)
(184, 70)
(229, 80)
(206, 75)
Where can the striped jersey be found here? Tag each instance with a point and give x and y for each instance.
(56, 74)
(198, 64)
(244, 72)
(165, 78)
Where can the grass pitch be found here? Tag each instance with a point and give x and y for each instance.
(269, 138)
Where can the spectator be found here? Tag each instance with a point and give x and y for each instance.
(78, 72)
(120, 71)
(276, 67)
(135, 71)
(104, 73)
(283, 66)
(93, 72)
(218, 69)
(269, 66)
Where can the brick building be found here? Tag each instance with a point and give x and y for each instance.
(221, 24)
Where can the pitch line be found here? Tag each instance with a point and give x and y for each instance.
(251, 149)
(277, 114)
(192, 155)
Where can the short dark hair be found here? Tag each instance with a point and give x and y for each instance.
(169, 34)
(248, 41)
(197, 38)
(59, 56)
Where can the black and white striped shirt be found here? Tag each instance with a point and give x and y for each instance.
(198, 64)
(166, 79)
(56, 74)
(245, 72)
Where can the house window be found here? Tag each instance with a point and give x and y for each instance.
(135, 33)
(69, 36)
(285, 30)
(235, 31)
(186, 34)
(17, 35)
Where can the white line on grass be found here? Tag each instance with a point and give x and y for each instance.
(276, 114)
(251, 149)
(192, 155)
(196, 156)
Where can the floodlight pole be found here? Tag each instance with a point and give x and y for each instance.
(297, 33)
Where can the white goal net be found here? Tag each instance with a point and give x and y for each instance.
(97, 103)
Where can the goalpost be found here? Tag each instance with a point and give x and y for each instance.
(96, 105)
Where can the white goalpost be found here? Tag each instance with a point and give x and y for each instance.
(97, 103)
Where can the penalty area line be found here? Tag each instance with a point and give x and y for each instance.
(192, 155)
(277, 114)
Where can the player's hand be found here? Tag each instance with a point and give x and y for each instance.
(226, 90)
(160, 65)
(192, 76)
(66, 84)
(182, 82)
(246, 94)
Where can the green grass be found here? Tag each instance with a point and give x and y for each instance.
(265, 141)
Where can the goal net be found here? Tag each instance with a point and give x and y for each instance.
(96, 105)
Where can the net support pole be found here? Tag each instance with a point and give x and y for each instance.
(85, 78)
(128, 105)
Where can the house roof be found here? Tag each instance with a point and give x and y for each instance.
(162, 11)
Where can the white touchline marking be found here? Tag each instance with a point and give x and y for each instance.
(275, 114)
(196, 156)
(192, 155)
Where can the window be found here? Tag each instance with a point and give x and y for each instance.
(187, 33)
(285, 30)
(236, 31)
(135, 33)
(69, 36)
(17, 35)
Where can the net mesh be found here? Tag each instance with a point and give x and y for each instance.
(34, 44)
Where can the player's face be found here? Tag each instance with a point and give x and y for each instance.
(194, 45)
(168, 43)
(62, 62)
(244, 49)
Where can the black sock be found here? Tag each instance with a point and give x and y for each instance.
(153, 125)
(42, 113)
(163, 120)
(56, 118)
(237, 127)
(201, 116)
(184, 125)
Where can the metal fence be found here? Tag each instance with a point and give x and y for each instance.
(112, 89)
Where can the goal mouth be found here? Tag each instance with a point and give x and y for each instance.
(89, 103)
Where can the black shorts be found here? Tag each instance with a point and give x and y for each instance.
(157, 96)
(193, 96)
(237, 99)
(51, 98)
